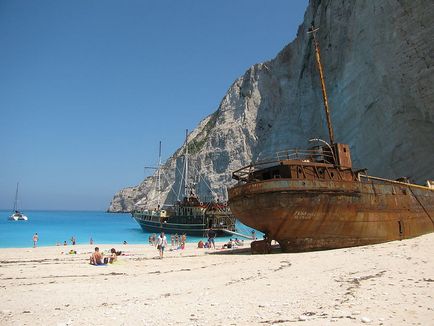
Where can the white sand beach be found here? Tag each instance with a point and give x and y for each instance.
(386, 284)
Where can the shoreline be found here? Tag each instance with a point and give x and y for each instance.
(384, 284)
(120, 244)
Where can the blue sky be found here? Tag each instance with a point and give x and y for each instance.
(89, 88)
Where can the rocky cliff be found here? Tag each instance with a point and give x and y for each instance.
(378, 58)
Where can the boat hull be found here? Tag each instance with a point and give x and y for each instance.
(305, 215)
(18, 217)
(154, 226)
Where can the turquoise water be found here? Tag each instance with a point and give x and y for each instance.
(59, 226)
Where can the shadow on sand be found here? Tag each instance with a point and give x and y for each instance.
(275, 249)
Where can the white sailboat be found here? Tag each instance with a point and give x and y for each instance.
(17, 215)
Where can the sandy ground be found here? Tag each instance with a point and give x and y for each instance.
(386, 284)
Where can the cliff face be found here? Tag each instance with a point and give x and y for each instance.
(378, 59)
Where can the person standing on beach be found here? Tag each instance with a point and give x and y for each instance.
(161, 244)
(35, 239)
(211, 237)
(183, 241)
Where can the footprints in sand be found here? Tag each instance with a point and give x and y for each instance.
(260, 274)
(170, 271)
(284, 264)
(355, 283)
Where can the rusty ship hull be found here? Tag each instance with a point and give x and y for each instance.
(313, 199)
(303, 215)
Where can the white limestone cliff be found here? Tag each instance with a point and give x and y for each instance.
(378, 59)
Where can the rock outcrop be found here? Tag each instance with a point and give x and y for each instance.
(378, 58)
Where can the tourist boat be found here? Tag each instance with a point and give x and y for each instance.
(189, 215)
(314, 199)
(17, 215)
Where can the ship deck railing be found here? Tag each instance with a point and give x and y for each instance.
(370, 179)
(317, 155)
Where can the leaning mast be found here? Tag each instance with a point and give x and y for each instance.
(159, 177)
(313, 31)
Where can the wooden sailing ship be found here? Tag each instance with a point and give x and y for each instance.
(189, 215)
(313, 199)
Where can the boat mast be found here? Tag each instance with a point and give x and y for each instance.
(159, 177)
(158, 169)
(186, 164)
(313, 30)
(16, 198)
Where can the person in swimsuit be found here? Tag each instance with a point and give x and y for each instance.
(96, 258)
(113, 256)
(35, 240)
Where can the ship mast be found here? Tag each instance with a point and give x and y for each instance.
(186, 164)
(158, 169)
(16, 199)
(313, 30)
(159, 177)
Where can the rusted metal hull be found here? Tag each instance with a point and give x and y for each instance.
(305, 215)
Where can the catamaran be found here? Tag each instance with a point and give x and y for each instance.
(17, 215)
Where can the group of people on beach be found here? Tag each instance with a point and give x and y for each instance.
(97, 257)
(211, 241)
(160, 242)
(176, 241)
(65, 243)
(36, 239)
(232, 243)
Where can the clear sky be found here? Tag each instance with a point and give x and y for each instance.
(89, 88)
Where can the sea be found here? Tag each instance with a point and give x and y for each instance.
(56, 227)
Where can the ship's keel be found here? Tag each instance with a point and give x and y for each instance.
(311, 244)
